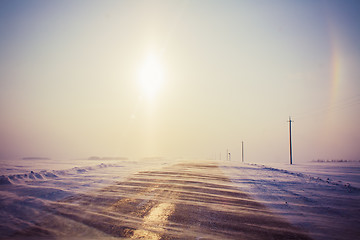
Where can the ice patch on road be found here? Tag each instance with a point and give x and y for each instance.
(154, 222)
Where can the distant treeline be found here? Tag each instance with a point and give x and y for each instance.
(335, 160)
(35, 158)
(106, 158)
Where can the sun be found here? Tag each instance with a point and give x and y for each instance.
(151, 76)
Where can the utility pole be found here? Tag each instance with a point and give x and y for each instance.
(290, 121)
(242, 151)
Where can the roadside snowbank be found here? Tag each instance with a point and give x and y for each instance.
(322, 199)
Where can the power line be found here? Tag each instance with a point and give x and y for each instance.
(242, 151)
(332, 107)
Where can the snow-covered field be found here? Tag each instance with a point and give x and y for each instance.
(323, 199)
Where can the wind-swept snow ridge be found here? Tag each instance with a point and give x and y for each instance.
(43, 175)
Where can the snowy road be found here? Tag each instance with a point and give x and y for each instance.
(183, 201)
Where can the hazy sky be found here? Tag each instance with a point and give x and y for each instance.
(180, 78)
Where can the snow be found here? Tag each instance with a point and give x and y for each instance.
(321, 198)
(28, 186)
